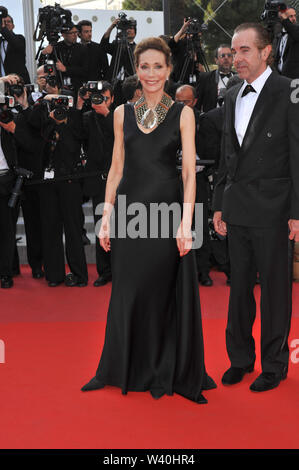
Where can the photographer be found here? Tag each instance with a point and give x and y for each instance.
(185, 48)
(13, 50)
(287, 51)
(29, 145)
(98, 145)
(71, 61)
(97, 59)
(210, 83)
(125, 67)
(61, 199)
(8, 215)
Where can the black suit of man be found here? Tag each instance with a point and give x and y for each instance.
(7, 215)
(15, 57)
(98, 144)
(207, 90)
(258, 192)
(97, 61)
(291, 53)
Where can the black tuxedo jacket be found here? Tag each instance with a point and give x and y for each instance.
(97, 61)
(291, 54)
(207, 90)
(98, 145)
(210, 135)
(258, 183)
(15, 58)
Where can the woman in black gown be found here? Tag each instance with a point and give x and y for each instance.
(153, 335)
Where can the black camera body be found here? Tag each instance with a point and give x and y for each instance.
(60, 105)
(54, 20)
(272, 8)
(6, 104)
(194, 27)
(94, 88)
(3, 13)
(124, 24)
(22, 175)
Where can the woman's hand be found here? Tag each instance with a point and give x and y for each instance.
(184, 240)
(104, 235)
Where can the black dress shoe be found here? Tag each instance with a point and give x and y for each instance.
(73, 281)
(157, 393)
(54, 283)
(6, 282)
(37, 273)
(102, 280)
(235, 375)
(205, 280)
(85, 240)
(93, 384)
(267, 381)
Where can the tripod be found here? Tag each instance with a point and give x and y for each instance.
(194, 49)
(122, 46)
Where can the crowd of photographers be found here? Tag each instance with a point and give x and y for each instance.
(61, 127)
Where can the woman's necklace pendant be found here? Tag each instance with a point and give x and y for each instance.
(149, 119)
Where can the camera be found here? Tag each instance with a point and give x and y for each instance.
(6, 104)
(60, 105)
(124, 24)
(22, 174)
(3, 13)
(272, 8)
(53, 20)
(94, 88)
(49, 67)
(195, 27)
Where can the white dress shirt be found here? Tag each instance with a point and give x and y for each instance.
(282, 47)
(3, 162)
(3, 49)
(245, 105)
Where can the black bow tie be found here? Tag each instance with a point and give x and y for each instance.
(227, 75)
(248, 89)
(283, 33)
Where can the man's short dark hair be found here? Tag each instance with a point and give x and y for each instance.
(106, 86)
(222, 46)
(129, 86)
(83, 23)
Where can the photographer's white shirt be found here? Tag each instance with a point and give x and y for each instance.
(282, 47)
(3, 162)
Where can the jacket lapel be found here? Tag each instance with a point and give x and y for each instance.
(232, 109)
(261, 110)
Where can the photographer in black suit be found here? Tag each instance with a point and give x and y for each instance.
(12, 50)
(256, 204)
(210, 83)
(98, 145)
(287, 50)
(72, 60)
(97, 59)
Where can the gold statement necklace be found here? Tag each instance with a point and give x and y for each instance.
(150, 118)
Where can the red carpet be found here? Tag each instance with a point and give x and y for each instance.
(53, 339)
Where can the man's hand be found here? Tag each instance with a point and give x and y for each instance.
(47, 50)
(101, 108)
(11, 79)
(283, 15)
(60, 66)
(9, 127)
(219, 224)
(294, 230)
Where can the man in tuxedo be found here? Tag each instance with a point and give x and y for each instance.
(97, 59)
(287, 45)
(210, 83)
(12, 51)
(256, 204)
(98, 145)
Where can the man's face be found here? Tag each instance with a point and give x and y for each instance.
(42, 83)
(86, 33)
(8, 23)
(249, 61)
(224, 59)
(131, 33)
(107, 103)
(291, 13)
(186, 96)
(71, 36)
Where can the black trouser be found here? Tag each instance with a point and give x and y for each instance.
(203, 253)
(7, 236)
(33, 226)
(61, 205)
(265, 250)
(103, 260)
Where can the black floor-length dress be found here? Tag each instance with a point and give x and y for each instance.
(153, 335)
